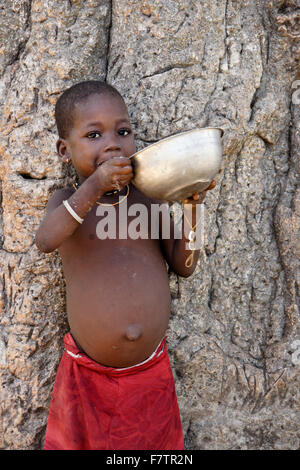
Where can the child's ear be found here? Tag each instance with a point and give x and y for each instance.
(62, 150)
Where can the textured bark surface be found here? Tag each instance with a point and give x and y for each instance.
(179, 64)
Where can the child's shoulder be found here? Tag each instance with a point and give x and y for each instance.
(57, 197)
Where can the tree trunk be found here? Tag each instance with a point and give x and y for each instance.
(234, 335)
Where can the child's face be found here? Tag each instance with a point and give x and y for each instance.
(101, 130)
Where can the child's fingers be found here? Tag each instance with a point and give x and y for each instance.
(120, 161)
(198, 196)
(126, 170)
(124, 183)
(119, 183)
(195, 198)
(121, 170)
(211, 186)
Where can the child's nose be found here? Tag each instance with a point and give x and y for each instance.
(111, 144)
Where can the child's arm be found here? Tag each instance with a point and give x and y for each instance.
(58, 223)
(180, 259)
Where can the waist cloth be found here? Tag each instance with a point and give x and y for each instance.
(95, 407)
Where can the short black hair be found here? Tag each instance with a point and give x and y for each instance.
(64, 108)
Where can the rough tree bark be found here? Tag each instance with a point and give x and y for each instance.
(179, 64)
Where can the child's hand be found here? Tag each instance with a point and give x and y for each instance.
(199, 198)
(115, 173)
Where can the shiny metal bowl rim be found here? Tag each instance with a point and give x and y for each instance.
(177, 135)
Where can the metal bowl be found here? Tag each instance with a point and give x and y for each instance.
(179, 166)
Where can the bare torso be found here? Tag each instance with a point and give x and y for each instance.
(118, 297)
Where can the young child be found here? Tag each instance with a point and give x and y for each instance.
(114, 387)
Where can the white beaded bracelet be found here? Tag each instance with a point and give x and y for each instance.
(72, 212)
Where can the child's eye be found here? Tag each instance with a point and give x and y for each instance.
(93, 135)
(124, 132)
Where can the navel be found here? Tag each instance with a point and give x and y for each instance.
(133, 332)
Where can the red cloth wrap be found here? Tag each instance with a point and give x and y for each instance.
(95, 407)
